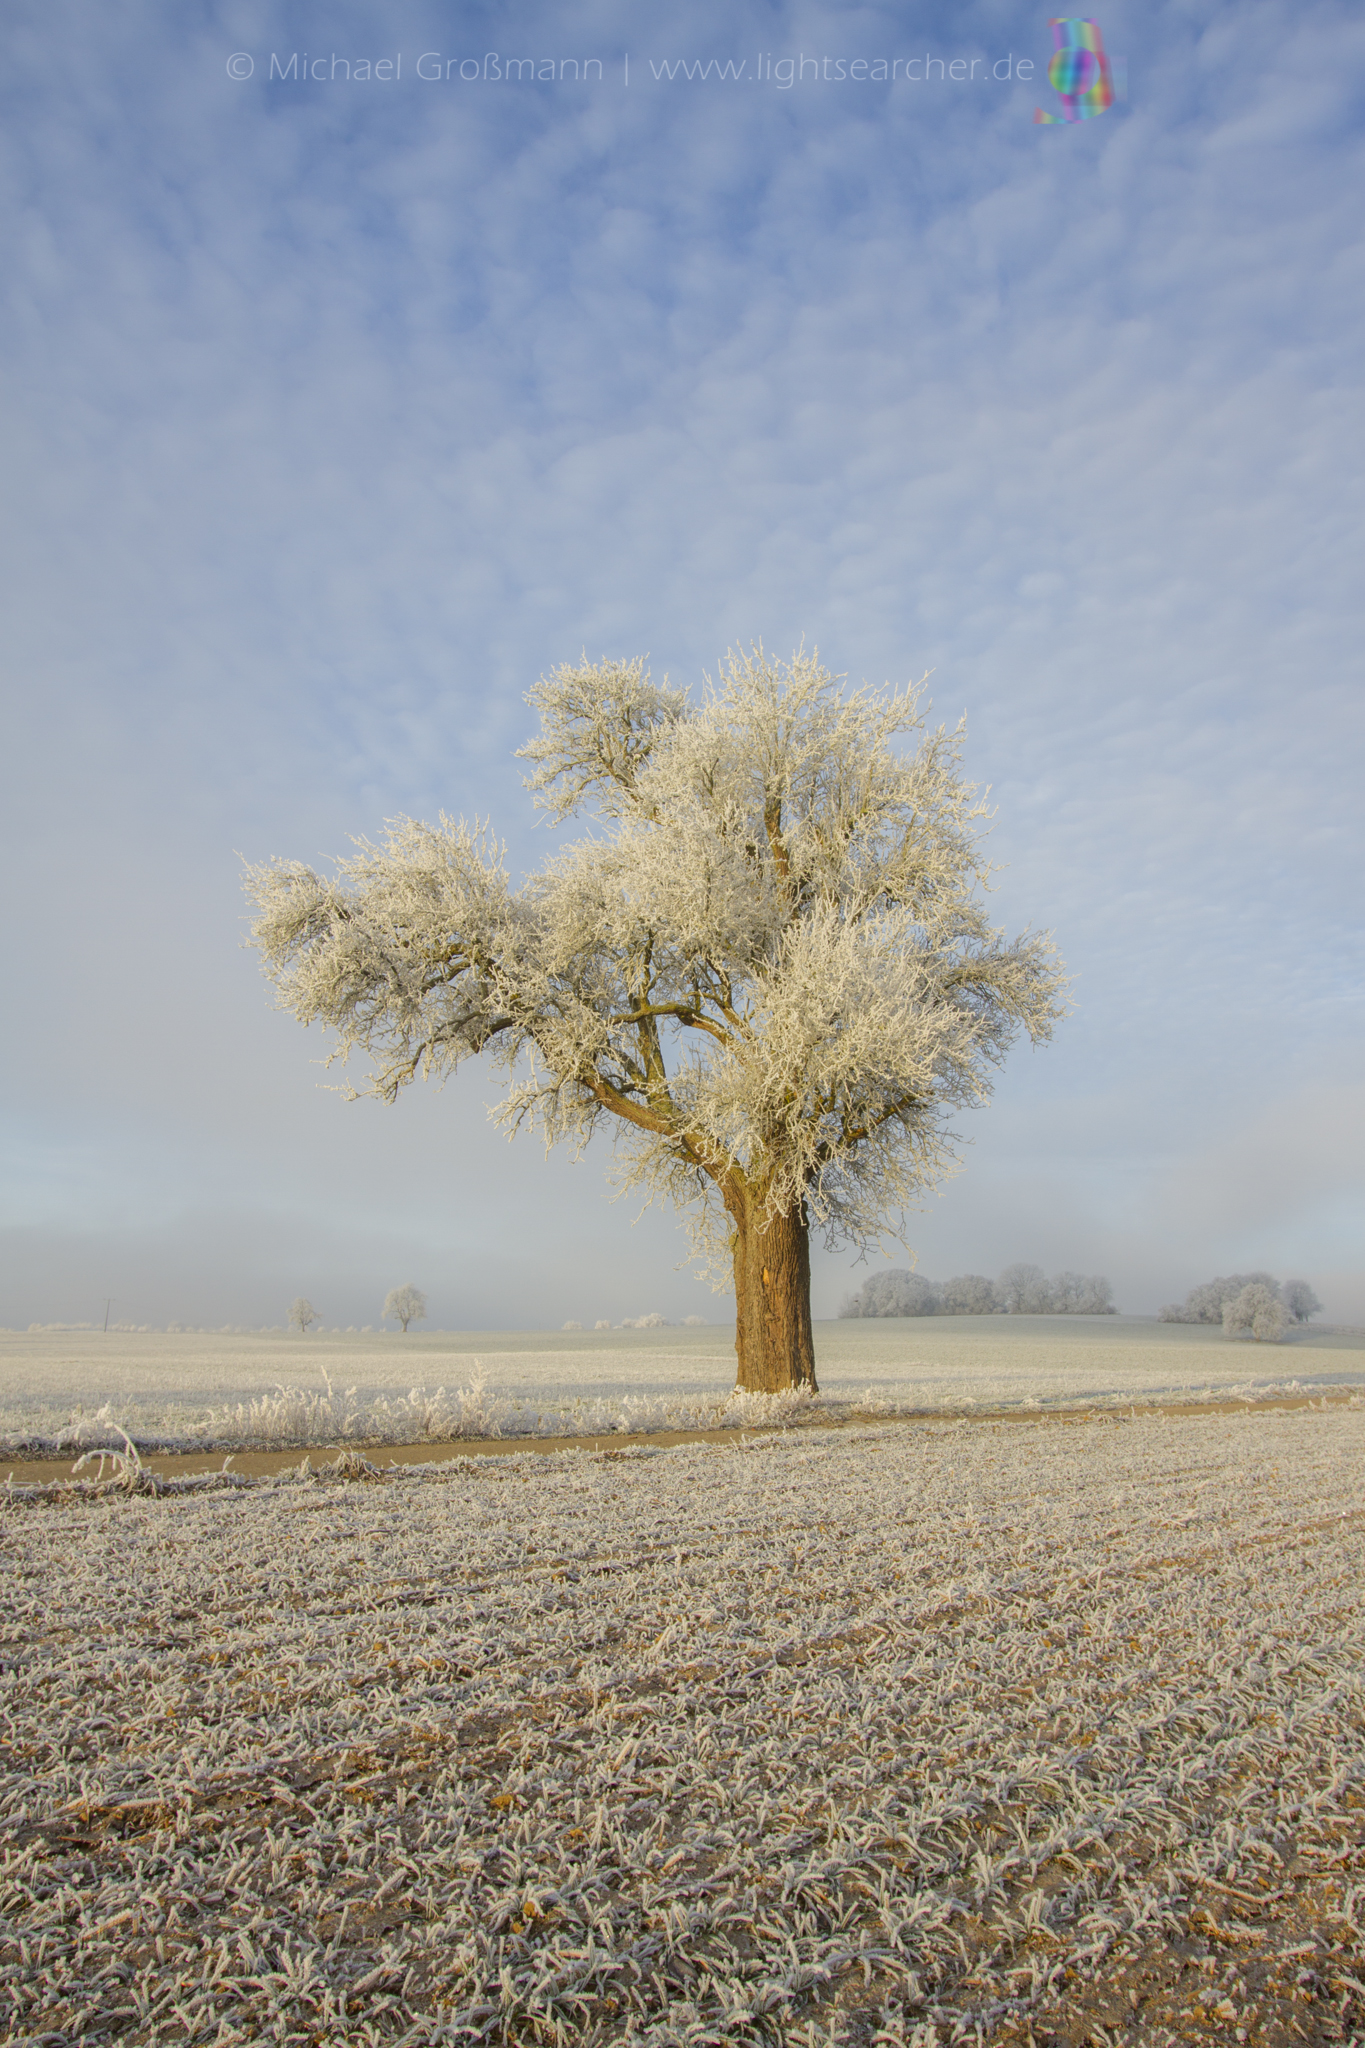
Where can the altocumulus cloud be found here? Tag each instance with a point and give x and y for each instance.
(338, 416)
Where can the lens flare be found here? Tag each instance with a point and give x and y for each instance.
(1079, 71)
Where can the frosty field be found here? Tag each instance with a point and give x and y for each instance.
(966, 1730)
(71, 1389)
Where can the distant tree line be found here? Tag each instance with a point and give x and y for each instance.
(1021, 1290)
(652, 1321)
(1247, 1305)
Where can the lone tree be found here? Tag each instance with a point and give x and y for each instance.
(406, 1304)
(302, 1313)
(767, 970)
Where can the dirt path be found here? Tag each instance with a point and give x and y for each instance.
(262, 1464)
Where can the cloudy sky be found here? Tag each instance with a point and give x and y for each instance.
(339, 409)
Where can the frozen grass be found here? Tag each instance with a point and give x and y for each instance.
(877, 1736)
(74, 1390)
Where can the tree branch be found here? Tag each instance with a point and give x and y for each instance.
(685, 1012)
(854, 1135)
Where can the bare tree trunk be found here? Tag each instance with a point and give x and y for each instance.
(773, 1338)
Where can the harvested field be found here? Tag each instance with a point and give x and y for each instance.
(954, 1732)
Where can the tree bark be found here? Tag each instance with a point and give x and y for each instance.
(773, 1340)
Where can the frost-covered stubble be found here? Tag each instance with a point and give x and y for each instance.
(716, 1744)
(768, 964)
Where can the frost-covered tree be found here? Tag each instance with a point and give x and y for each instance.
(969, 1294)
(897, 1293)
(1081, 1294)
(302, 1313)
(406, 1304)
(1256, 1312)
(1204, 1304)
(1022, 1290)
(767, 968)
(1026, 1291)
(1300, 1300)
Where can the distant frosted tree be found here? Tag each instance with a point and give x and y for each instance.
(1204, 1304)
(1300, 1300)
(571, 1326)
(694, 1322)
(968, 1294)
(602, 1323)
(768, 965)
(1023, 1290)
(405, 1304)
(1256, 1312)
(897, 1293)
(302, 1314)
(1081, 1294)
(1026, 1291)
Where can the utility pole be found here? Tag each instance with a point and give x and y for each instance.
(107, 1306)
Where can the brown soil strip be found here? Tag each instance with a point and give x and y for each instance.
(262, 1464)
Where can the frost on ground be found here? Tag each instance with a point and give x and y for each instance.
(992, 1731)
(70, 1392)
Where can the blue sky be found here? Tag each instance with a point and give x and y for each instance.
(337, 412)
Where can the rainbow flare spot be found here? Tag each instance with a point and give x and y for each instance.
(1079, 71)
